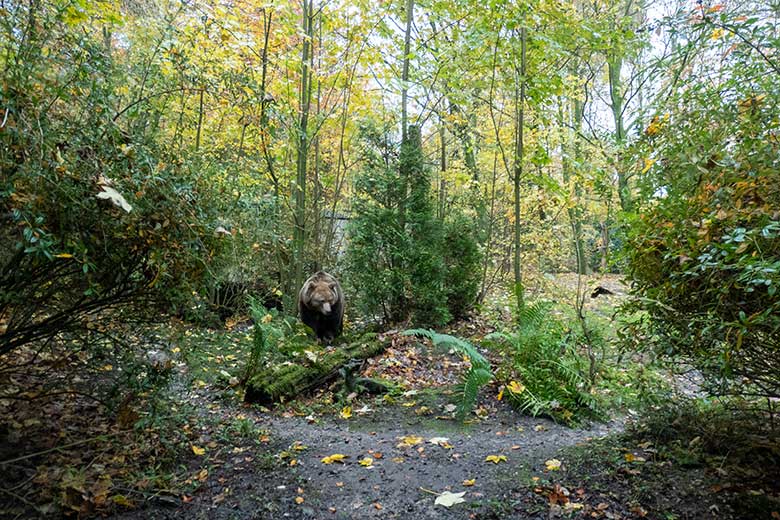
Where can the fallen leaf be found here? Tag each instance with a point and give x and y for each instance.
(469, 482)
(336, 457)
(367, 462)
(448, 499)
(346, 412)
(299, 500)
(515, 387)
(409, 440)
(198, 451)
(495, 459)
(444, 442)
(553, 464)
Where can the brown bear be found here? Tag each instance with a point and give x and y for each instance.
(321, 306)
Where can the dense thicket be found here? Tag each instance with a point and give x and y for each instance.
(96, 210)
(704, 244)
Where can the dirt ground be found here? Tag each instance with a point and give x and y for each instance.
(247, 482)
(396, 456)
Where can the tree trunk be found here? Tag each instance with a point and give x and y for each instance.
(299, 232)
(284, 382)
(200, 121)
(442, 170)
(405, 69)
(518, 172)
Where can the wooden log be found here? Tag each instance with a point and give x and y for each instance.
(282, 382)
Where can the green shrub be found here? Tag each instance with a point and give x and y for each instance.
(92, 217)
(462, 258)
(550, 375)
(703, 249)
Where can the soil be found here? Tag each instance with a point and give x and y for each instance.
(402, 480)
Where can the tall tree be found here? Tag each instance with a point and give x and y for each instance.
(302, 151)
(518, 167)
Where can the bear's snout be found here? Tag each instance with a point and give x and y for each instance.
(325, 308)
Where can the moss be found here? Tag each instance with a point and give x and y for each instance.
(284, 382)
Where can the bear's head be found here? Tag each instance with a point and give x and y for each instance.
(322, 296)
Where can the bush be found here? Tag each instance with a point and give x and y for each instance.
(462, 258)
(93, 216)
(544, 372)
(703, 249)
(404, 263)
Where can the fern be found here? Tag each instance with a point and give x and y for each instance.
(478, 375)
(534, 315)
(446, 342)
(543, 357)
(474, 379)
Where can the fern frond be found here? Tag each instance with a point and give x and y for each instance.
(446, 341)
(475, 379)
(478, 376)
(534, 315)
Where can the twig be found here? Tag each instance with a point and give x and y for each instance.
(18, 497)
(430, 491)
(56, 448)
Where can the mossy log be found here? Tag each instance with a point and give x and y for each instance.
(281, 382)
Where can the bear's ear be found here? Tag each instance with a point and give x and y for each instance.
(332, 286)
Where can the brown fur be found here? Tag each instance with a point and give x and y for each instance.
(321, 305)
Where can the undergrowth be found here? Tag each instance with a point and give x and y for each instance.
(545, 373)
(478, 375)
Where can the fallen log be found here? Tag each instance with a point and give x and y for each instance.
(287, 381)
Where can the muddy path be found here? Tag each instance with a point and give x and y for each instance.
(285, 477)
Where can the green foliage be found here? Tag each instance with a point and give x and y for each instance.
(95, 212)
(703, 249)
(462, 258)
(542, 357)
(403, 262)
(479, 373)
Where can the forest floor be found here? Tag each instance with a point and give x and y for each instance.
(380, 458)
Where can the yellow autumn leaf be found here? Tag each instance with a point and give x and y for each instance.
(267, 319)
(495, 459)
(336, 457)
(500, 395)
(64, 255)
(469, 482)
(299, 500)
(515, 387)
(346, 412)
(648, 164)
(367, 462)
(716, 34)
(553, 464)
(197, 450)
(409, 440)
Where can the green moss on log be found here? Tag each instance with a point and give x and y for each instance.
(284, 382)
